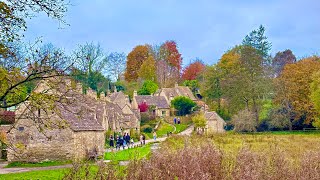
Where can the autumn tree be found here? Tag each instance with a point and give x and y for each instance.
(259, 41)
(193, 70)
(168, 64)
(315, 97)
(293, 89)
(147, 70)
(134, 61)
(281, 59)
(242, 78)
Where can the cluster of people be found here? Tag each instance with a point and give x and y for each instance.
(121, 141)
(176, 121)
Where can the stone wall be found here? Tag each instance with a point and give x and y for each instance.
(215, 126)
(86, 141)
(28, 144)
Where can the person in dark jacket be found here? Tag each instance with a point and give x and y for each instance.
(128, 140)
(121, 142)
(144, 139)
(111, 141)
(118, 143)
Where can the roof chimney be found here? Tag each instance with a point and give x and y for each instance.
(135, 93)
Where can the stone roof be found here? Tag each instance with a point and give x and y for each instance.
(177, 91)
(212, 116)
(82, 113)
(158, 101)
(115, 95)
(115, 114)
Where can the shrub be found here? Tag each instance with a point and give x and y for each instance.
(183, 105)
(146, 128)
(146, 116)
(244, 121)
(143, 107)
(199, 121)
(279, 119)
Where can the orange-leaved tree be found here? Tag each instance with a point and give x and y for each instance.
(293, 88)
(193, 70)
(134, 61)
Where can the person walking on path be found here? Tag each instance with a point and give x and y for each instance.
(124, 140)
(178, 120)
(111, 141)
(127, 139)
(175, 120)
(144, 139)
(154, 136)
(118, 143)
(141, 139)
(132, 142)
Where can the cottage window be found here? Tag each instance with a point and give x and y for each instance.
(38, 112)
(163, 113)
(21, 128)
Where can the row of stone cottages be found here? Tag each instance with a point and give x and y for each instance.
(77, 128)
(162, 98)
(74, 130)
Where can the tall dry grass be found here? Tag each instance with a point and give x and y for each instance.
(250, 157)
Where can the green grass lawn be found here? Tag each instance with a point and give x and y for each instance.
(180, 128)
(163, 129)
(45, 174)
(128, 154)
(40, 164)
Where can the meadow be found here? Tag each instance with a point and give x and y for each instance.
(218, 156)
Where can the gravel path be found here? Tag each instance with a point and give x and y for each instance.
(18, 170)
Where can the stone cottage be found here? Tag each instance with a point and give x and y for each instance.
(171, 93)
(215, 124)
(122, 115)
(74, 130)
(161, 106)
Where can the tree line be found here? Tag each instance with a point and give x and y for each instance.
(247, 86)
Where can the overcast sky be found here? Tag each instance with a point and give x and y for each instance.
(201, 28)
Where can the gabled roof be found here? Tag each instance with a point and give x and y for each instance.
(83, 113)
(115, 95)
(177, 91)
(79, 111)
(158, 101)
(212, 116)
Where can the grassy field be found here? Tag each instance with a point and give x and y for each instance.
(127, 154)
(271, 155)
(40, 164)
(163, 129)
(43, 175)
(180, 127)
